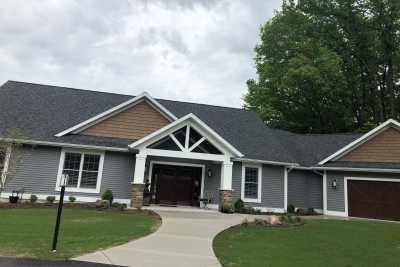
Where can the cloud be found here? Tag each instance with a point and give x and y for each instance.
(185, 50)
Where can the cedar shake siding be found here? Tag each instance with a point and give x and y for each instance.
(132, 123)
(384, 147)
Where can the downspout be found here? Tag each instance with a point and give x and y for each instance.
(286, 171)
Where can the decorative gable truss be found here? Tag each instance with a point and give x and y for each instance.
(187, 137)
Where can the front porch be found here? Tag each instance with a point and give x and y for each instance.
(183, 164)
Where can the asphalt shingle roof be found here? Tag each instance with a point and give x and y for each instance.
(41, 111)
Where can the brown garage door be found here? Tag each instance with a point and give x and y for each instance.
(374, 199)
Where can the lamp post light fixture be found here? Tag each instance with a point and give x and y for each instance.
(63, 183)
(209, 172)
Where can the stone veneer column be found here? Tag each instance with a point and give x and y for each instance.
(225, 192)
(137, 196)
(225, 198)
(138, 181)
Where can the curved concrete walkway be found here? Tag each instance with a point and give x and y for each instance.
(184, 239)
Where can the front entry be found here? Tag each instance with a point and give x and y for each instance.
(176, 185)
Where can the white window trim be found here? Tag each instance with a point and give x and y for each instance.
(252, 200)
(78, 189)
(346, 201)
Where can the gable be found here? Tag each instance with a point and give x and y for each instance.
(177, 136)
(384, 147)
(132, 123)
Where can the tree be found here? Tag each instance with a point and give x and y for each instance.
(328, 66)
(10, 156)
(301, 84)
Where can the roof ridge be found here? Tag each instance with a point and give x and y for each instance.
(69, 88)
(102, 92)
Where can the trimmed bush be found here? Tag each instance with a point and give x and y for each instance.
(33, 198)
(239, 205)
(72, 199)
(227, 208)
(290, 208)
(108, 195)
(120, 206)
(50, 199)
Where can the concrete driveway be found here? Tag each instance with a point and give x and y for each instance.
(184, 239)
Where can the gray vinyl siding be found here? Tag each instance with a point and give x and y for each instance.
(335, 197)
(305, 189)
(211, 184)
(118, 173)
(37, 170)
(272, 185)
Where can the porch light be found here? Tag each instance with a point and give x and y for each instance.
(334, 184)
(209, 172)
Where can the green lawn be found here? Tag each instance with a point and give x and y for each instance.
(316, 244)
(28, 232)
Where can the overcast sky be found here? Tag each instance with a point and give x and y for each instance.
(199, 51)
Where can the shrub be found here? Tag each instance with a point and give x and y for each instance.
(305, 212)
(239, 205)
(310, 211)
(227, 208)
(102, 204)
(120, 206)
(108, 195)
(288, 219)
(33, 198)
(290, 208)
(72, 199)
(50, 199)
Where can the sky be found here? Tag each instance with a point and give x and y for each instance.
(197, 51)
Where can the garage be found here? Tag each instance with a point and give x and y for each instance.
(375, 199)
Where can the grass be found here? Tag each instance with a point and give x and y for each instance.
(328, 243)
(28, 232)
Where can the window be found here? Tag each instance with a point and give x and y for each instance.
(83, 169)
(251, 183)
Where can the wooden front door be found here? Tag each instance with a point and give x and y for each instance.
(374, 199)
(176, 185)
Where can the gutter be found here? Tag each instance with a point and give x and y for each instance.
(357, 169)
(278, 163)
(57, 144)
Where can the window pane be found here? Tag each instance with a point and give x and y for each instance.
(72, 161)
(251, 183)
(180, 135)
(251, 175)
(72, 177)
(90, 171)
(166, 144)
(91, 162)
(207, 147)
(194, 137)
(89, 179)
(250, 191)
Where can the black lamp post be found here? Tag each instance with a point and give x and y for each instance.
(63, 183)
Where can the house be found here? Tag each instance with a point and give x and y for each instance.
(180, 153)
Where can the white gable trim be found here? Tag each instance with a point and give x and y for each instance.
(117, 109)
(361, 140)
(203, 129)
